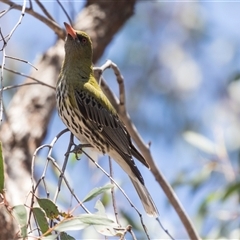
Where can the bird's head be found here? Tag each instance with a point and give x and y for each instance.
(78, 44)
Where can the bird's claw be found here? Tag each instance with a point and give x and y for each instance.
(78, 149)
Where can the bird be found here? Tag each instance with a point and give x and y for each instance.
(90, 116)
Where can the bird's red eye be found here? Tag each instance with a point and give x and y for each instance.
(84, 40)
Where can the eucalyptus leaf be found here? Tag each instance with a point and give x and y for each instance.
(20, 214)
(231, 189)
(65, 236)
(97, 191)
(201, 142)
(84, 220)
(70, 225)
(49, 207)
(41, 219)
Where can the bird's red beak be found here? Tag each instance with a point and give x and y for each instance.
(70, 30)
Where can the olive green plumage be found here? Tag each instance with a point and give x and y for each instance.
(90, 116)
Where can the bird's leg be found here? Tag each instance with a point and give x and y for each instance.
(78, 148)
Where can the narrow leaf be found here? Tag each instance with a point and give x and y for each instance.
(70, 225)
(97, 191)
(95, 219)
(201, 142)
(49, 207)
(99, 206)
(20, 214)
(65, 236)
(231, 189)
(83, 221)
(106, 231)
(41, 219)
(1, 170)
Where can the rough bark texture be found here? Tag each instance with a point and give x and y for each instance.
(32, 106)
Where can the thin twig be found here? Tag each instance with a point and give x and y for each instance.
(21, 60)
(122, 98)
(71, 10)
(133, 235)
(5, 41)
(165, 230)
(27, 76)
(21, 85)
(32, 179)
(127, 229)
(2, 39)
(31, 5)
(63, 168)
(49, 157)
(45, 11)
(1, 84)
(23, 8)
(112, 192)
(65, 12)
(5, 11)
(68, 185)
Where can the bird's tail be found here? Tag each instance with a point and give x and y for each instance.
(145, 197)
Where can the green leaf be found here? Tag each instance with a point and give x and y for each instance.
(65, 236)
(97, 191)
(83, 221)
(49, 207)
(201, 142)
(95, 219)
(106, 199)
(20, 214)
(206, 203)
(107, 231)
(231, 189)
(1, 170)
(70, 225)
(41, 219)
(99, 206)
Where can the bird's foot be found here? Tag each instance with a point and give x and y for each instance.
(78, 149)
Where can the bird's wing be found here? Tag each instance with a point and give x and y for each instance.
(108, 125)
